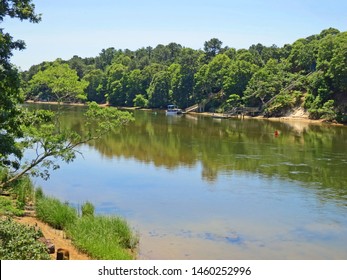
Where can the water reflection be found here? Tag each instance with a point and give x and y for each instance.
(306, 152)
(315, 153)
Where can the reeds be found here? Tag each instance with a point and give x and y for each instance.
(101, 237)
(55, 213)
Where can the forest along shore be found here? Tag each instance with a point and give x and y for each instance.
(309, 72)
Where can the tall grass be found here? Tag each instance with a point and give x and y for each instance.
(87, 209)
(102, 237)
(22, 190)
(57, 214)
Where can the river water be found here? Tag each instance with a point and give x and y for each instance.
(195, 187)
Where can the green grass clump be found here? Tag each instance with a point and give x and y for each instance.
(39, 193)
(9, 207)
(108, 238)
(23, 190)
(20, 242)
(101, 237)
(57, 214)
(87, 209)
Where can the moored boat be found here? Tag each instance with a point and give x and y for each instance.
(173, 110)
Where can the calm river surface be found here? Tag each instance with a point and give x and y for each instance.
(194, 187)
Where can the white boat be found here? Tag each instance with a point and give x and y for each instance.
(173, 110)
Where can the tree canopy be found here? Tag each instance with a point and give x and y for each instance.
(309, 72)
(58, 82)
(10, 114)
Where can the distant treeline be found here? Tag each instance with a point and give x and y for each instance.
(311, 72)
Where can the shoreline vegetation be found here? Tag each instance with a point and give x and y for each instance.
(272, 81)
(298, 114)
(31, 223)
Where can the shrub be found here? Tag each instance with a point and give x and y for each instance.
(140, 101)
(19, 242)
(87, 209)
(341, 118)
(325, 112)
(282, 103)
(8, 207)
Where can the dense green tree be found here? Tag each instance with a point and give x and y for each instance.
(174, 51)
(160, 54)
(303, 55)
(58, 82)
(135, 84)
(203, 86)
(11, 117)
(105, 58)
(140, 101)
(149, 71)
(330, 81)
(78, 64)
(165, 54)
(249, 56)
(338, 65)
(212, 47)
(267, 82)
(231, 53)
(265, 53)
(211, 77)
(159, 90)
(239, 74)
(116, 94)
(177, 90)
(188, 61)
(97, 86)
(327, 32)
(217, 71)
(123, 59)
(325, 53)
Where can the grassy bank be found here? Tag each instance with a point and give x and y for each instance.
(100, 237)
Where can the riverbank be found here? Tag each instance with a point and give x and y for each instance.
(60, 226)
(297, 115)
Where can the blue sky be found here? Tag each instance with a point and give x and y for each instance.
(85, 27)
